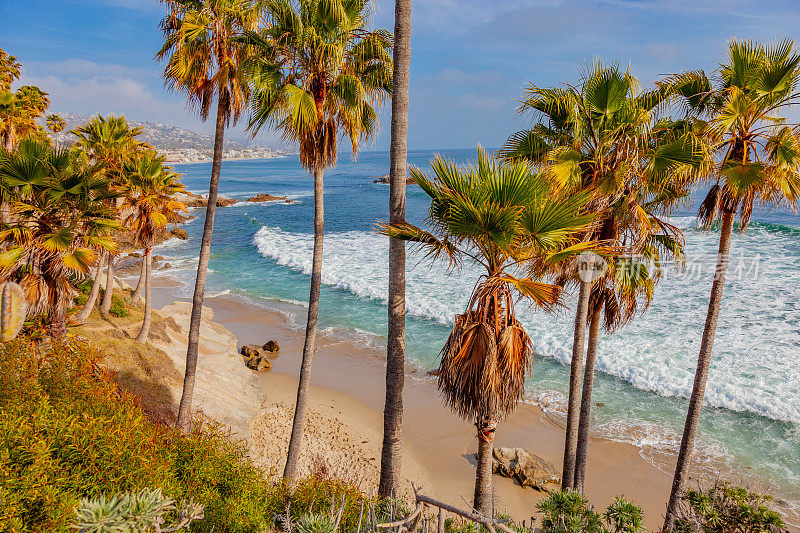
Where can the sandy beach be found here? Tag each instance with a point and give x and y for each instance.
(344, 434)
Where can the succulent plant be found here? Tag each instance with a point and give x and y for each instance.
(13, 310)
(315, 523)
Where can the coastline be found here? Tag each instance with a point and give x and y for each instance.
(348, 381)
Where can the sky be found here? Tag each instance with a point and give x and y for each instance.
(470, 60)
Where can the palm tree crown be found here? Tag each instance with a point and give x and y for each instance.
(149, 193)
(60, 217)
(203, 58)
(318, 72)
(499, 216)
(759, 151)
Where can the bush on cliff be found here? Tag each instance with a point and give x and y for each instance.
(67, 431)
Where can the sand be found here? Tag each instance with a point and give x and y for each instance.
(343, 436)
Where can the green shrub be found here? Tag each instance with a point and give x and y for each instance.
(84, 287)
(725, 508)
(569, 512)
(67, 433)
(81, 299)
(118, 307)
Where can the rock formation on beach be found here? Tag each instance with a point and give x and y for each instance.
(528, 469)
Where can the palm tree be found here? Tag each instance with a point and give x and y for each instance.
(55, 123)
(108, 142)
(391, 452)
(61, 217)
(203, 62)
(603, 136)
(498, 215)
(149, 190)
(19, 111)
(758, 157)
(317, 73)
(10, 70)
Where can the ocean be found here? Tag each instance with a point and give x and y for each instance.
(261, 252)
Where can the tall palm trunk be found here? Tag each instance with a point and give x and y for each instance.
(298, 425)
(83, 316)
(148, 311)
(483, 475)
(703, 364)
(137, 292)
(105, 307)
(575, 377)
(391, 453)
(202, 269)
(582, 448)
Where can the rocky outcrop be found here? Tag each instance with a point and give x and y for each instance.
(385, 179)
(195, 200)
(264, 197)
(179, 233)
(528, 469)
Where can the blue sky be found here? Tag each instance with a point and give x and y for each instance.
(471, 58)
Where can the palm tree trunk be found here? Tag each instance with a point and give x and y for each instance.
(575, 378)
(391, 452)
(703, 365)
(9, 139)
(581, 449)
(202, 269)
(137, 293)
(483, 475)
(83, 316)
(148, 311)
(105, 307)
(298, 425)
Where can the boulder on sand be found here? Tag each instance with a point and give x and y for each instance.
(258, 363)
(271, 346)
(528, 469)
(250, 351)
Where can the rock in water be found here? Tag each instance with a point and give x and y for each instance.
(529, 469)
(251, 351)
(264, 197)
(179, 233)
(271, 346)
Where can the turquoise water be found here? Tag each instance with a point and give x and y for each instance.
(262, 252)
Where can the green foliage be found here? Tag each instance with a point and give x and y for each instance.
(315, 523)
(725, 508)
(84, 287)
(118, 307)
(569, 512)
(67, 433)
(145, 511)
(81, 299)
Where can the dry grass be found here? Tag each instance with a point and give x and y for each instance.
(142, 369)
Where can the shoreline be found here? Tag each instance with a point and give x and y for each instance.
(436, 441)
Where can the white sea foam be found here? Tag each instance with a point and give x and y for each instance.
(758, 339)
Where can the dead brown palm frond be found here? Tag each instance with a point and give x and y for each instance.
(487, 355)
(709, 208)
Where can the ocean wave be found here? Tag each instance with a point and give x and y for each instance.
(656, 352)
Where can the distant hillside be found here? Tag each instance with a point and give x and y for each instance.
(178, 144)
